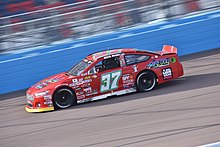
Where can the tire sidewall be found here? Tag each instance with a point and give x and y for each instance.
(71, 101)
(141, 89)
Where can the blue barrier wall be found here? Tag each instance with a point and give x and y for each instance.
(193, 34)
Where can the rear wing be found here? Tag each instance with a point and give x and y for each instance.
(169, 49)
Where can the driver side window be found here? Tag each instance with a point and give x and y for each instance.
(111, 63)
(105, 64)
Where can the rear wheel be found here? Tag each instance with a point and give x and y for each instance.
(146, 81)
(64, 98)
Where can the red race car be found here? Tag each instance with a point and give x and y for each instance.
(103, 74)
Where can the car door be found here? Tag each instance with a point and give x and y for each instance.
(106, 75)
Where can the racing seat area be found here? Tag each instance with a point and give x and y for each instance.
(106, 64)
(111, 63)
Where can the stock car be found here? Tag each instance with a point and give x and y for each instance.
(103, 74)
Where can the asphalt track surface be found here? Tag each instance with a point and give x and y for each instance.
(182, 113)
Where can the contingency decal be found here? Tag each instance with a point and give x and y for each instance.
(109, 81)
(103, 96)
(81, 82)
(167, 73)
(127, 81)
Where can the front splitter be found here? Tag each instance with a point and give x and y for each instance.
(39, 109)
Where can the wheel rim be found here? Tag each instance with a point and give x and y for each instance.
(147, 81)
(63, 99)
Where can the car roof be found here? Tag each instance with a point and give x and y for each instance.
(97, 55)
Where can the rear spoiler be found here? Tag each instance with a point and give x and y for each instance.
(169, 49)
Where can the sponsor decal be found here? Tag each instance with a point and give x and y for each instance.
(107, 57)
(128, 85)
(85, 85)
(93, 93)
(87, 90)
(48, 102)
(87, 81)
(47, 97)
(73, 85)
(80, 82)
(81, 96)
(122, 60)
(79, 93)
(172, 60)
(41, 94)
(128, 81)
(115, 55)
(161, 62)
(167, 73)
(43, 84)
(126, 77)
(87, 77)
(53, 80)
(74, 80)
(105, 53)
(40, 85)
(135, 68)
(78, 89)
(103, 96)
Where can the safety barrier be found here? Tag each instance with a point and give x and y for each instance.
(190, 34)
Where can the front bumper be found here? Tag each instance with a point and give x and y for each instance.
(40, 104)
(28, 109)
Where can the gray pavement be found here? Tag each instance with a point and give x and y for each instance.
(184, 113)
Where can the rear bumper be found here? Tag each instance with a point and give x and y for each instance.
(28, 109)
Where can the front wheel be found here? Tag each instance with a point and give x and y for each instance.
(64, 98)
(146, 81)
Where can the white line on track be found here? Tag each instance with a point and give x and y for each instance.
(216, 144)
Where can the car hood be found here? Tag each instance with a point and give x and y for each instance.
(52, 80)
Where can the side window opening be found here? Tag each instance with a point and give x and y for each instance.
(111, 63)
(105, 64)
(135, 58)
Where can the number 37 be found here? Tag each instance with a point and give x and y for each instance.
(109, 81)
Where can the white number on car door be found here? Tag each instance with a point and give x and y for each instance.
(109, 81)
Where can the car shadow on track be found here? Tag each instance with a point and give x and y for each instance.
(179, 85)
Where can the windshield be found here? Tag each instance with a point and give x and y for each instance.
(79, 68)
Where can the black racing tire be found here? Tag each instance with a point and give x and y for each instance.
(146, 81)
(64, 98)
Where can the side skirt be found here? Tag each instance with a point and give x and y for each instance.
(104, 96)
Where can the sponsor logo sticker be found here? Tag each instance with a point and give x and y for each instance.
(167, 73)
